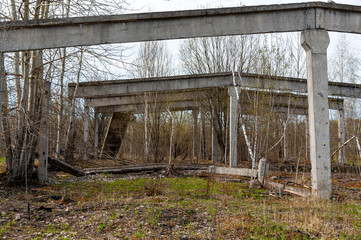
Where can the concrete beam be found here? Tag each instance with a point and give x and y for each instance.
(116, 88)
(69, 32)
(245, 172)
(161, 97)
(139, 108)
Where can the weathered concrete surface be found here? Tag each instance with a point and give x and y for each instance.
(44, 134)
(280, 99)
(139, 108)
(115, 88)
(86, 132)
(315, 42)
(262, 170)
(195, 149)
(116, 132)
(55, 33)
(341, 136)
(158, 97)
(233, 126)
(246, 172)
(214, 145)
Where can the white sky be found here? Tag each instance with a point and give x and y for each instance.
(137, 6)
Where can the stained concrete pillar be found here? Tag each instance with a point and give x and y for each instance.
(341, 135)
(2, 79)
(203, 134)
(146, 121)
(86, 132)
(315, 43)
(214, 145)
(195, 133)
(233, 126)
(285, 139)
(96, 133)
(44, 135)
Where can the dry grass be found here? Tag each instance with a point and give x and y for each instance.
(172, 208)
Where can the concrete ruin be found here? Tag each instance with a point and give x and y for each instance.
(313, 19)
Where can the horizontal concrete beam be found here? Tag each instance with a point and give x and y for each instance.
(68, 32)
(161, 97)
(194, 98)
(139, 108)
(187, 82)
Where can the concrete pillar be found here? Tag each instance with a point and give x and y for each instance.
(307, 136)
(2, 79)
(86, 132)
(233, 126)
(214, 145)
(203, 134)
(146, 120)
(70, 139)
(96, 133)
(341, 135)
(315, 43)
(44, 135)
(285, 139)
(195, 133)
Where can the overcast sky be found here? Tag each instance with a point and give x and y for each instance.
(170, 5)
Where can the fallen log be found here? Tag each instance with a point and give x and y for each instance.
(65, 167)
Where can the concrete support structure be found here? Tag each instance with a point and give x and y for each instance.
(44, 132)
(285, 139)
(2, 79)
(117, 88)
(214, 145)
(146, 123)
(96, 134)
(86, 132)
(68, 32)
(315, 42)
(233, 126)
(341, 136)
(203, 134)
(195, 134)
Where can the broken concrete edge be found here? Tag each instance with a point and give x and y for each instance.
(63, 166)
(289, 189)
(245, 172)
(143, 168)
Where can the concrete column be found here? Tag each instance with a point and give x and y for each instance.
(146, 120)
(2, 79)
(285, 139)
(70, 139)
(341, 136)
(214, 145)
(44, 135)
(203, 135)
(96, 133)
(86, 132)
(233, 126)
(315, 43)
(195, 133)
(307, 136)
